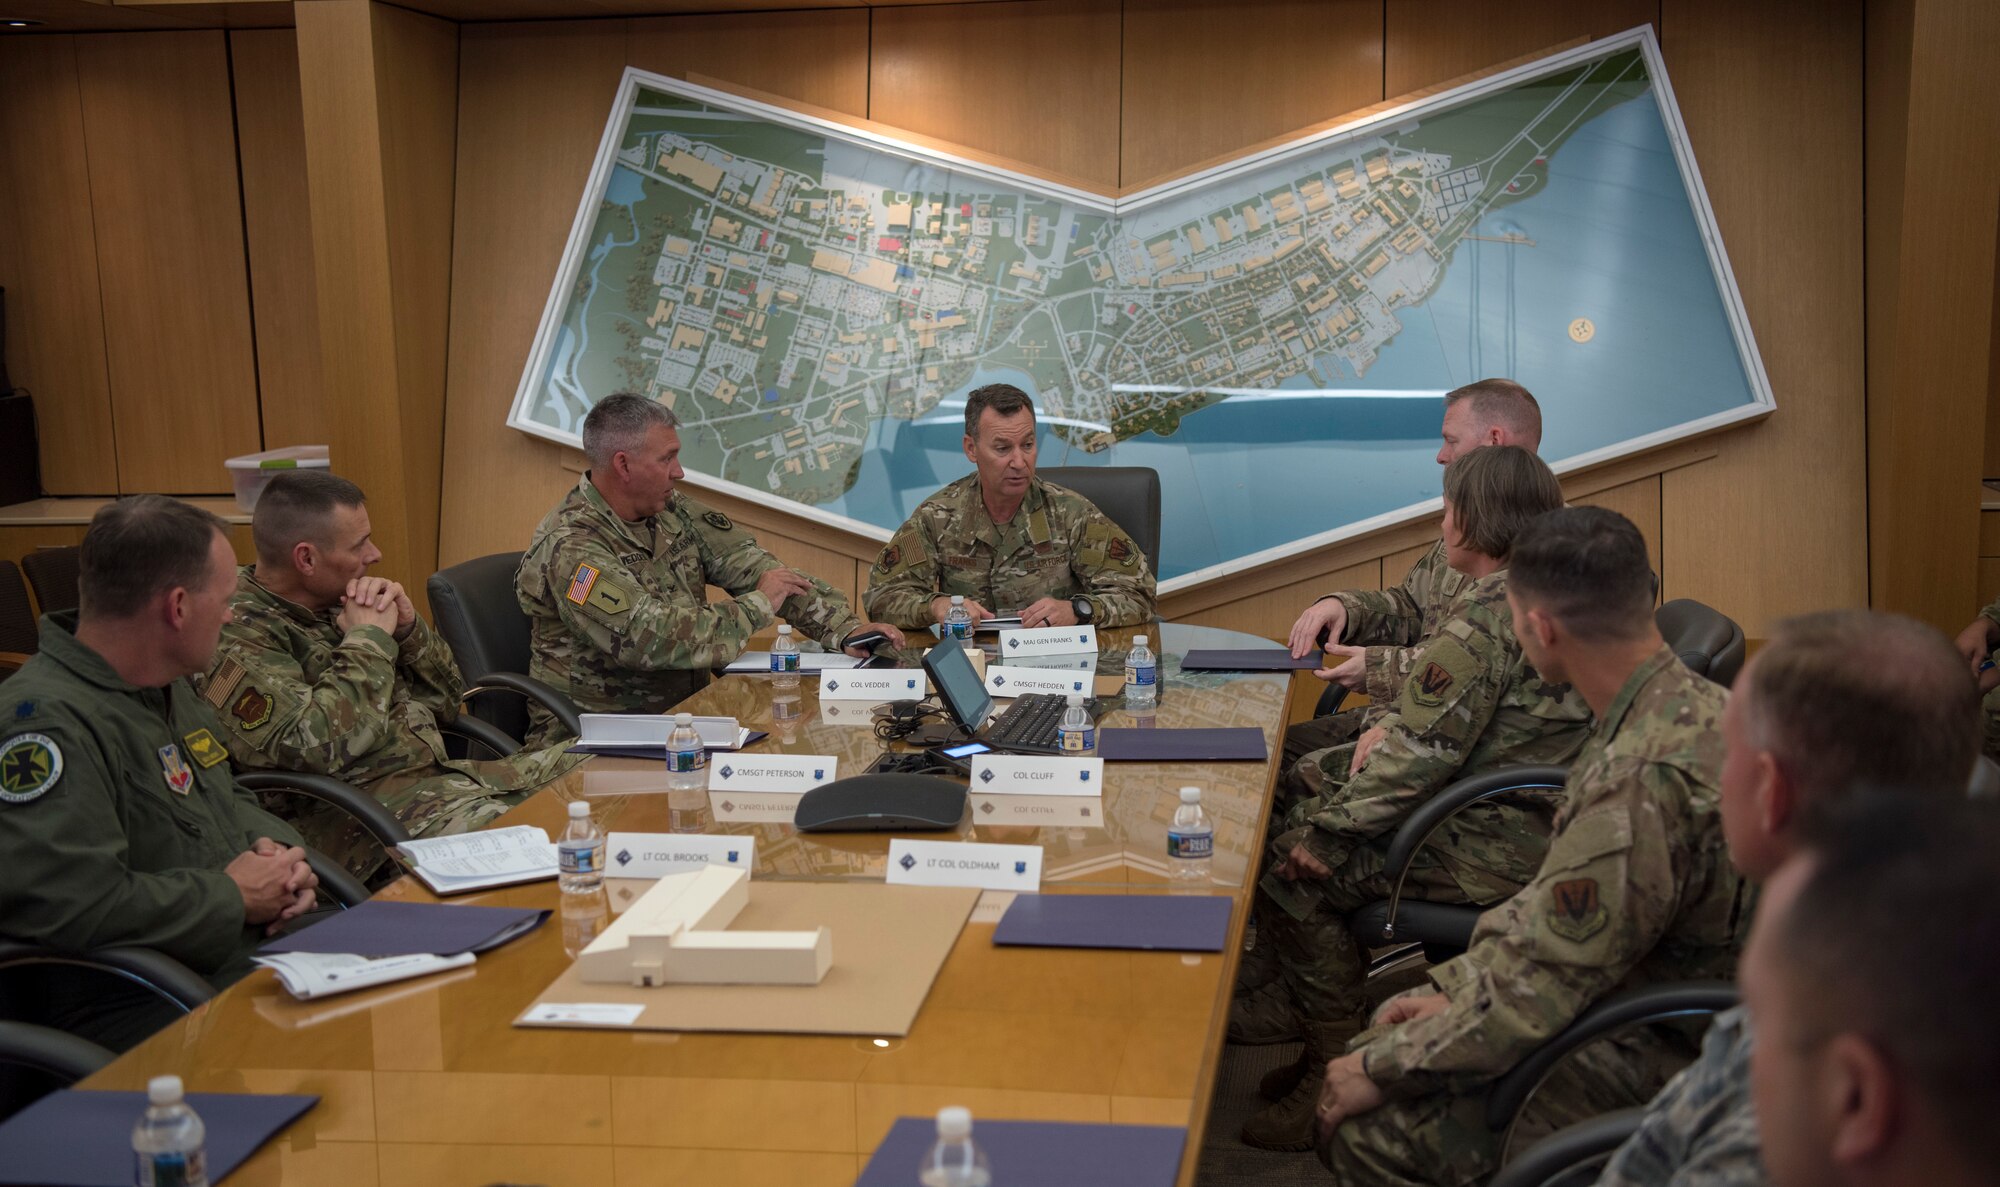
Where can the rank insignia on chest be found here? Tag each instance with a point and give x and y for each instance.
(251, 709)
(180, 777)
(581, 583)
(204, 747)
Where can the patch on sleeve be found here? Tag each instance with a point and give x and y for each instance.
(252, 708)
(717, 520)
(1578, 913)
(891, 557)
(206, 750)
(1433, 682)
(30, 764)
(610, 598)
(1117, 550)
(222, 682)
(581, 582)
(24, 710)
(1440, 676)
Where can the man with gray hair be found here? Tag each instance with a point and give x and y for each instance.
(330, 670)
(615, 580)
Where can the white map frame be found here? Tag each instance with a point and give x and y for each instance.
(1641, 38)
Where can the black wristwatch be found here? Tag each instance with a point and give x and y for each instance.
(1081, 608)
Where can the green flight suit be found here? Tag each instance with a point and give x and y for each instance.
(118, 814)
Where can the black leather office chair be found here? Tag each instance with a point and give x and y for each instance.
(476, 612)
(1708, 641)
(42, 1059)
(1128, 495)
(54, 574)
(336, 883)
(19, 636)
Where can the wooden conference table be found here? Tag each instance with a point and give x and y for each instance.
(428, 1082)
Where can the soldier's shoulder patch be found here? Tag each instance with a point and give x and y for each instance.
(891, 556)
(252, 708)
(1117, 550)
(1439, 676)
(221, 681)
(1434, 681)
(581, 583)
(206, 750)
(1577, 913)
(30, 764)
(717, 520)
(610, 597)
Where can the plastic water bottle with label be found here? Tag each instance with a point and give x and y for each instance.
(1190, 840)
(687, 759)
(580, 853)
(1076, 733)
(954, 1160)
(958, 620)
(1142, 675)
(168, 1142)
(784, 659)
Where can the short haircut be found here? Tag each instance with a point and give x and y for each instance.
(1495, 492)
(1588, 567)
(1892, 936)
(295, 506)
(139, 548)
(1848, 697)
(1503, 404)
(619, 423)
(1003, 398)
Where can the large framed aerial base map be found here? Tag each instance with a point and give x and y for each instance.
(1272, 335)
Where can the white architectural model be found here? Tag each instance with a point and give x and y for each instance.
(674, 933)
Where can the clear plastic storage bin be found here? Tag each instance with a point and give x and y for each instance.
(250, 472)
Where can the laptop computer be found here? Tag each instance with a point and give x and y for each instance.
(1029, 726)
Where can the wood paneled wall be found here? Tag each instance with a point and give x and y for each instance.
(1763, 522)
(155, 265)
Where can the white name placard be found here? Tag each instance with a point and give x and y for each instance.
(954, 863)
(1045, 811)
(754, 807)
(655, 855)
(1016, 774)
(1013, 681)
(1047, 640)
(793, 773)
(1087, 662)
(861, 713)
(892, 684)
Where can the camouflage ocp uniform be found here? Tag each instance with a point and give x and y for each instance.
(1057, 545)
(622, 620)
(1701, 1128)
(296, 693)
(1472, 702)
(1636, 888)
(1390, 624)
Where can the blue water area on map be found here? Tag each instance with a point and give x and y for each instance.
(1616, 241)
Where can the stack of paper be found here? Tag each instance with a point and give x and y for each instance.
(644, 735)
(308, 975)
(480, 861)
(810, 662)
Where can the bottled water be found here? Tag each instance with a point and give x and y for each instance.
(583, 916)
(167, 1142)
(1077, 733)
(1190, 840)
(580, 853)
(954, 1161)
(1142, 675)
(958, 620)
(687, 761)
(784, 659)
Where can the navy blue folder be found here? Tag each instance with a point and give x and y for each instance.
(378, 928)
(1225, 744)
(84, 1139)
(1251, 659)
(1150, 922)
(1044, 1153)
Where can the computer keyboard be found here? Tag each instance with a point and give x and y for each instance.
(1031, 723)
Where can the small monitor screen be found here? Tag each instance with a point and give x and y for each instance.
(958, 684)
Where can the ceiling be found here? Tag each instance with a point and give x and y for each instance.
(97, 16)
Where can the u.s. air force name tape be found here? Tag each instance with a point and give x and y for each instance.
(1012, 774)
(796, 773)
(655, 855)
(1047, 640)
(895, 684)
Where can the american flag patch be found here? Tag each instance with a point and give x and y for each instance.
(222, 682)
(580, 585)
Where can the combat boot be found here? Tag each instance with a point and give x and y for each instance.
(1288, 1123)
(1259, 966)
(1262, 1016)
